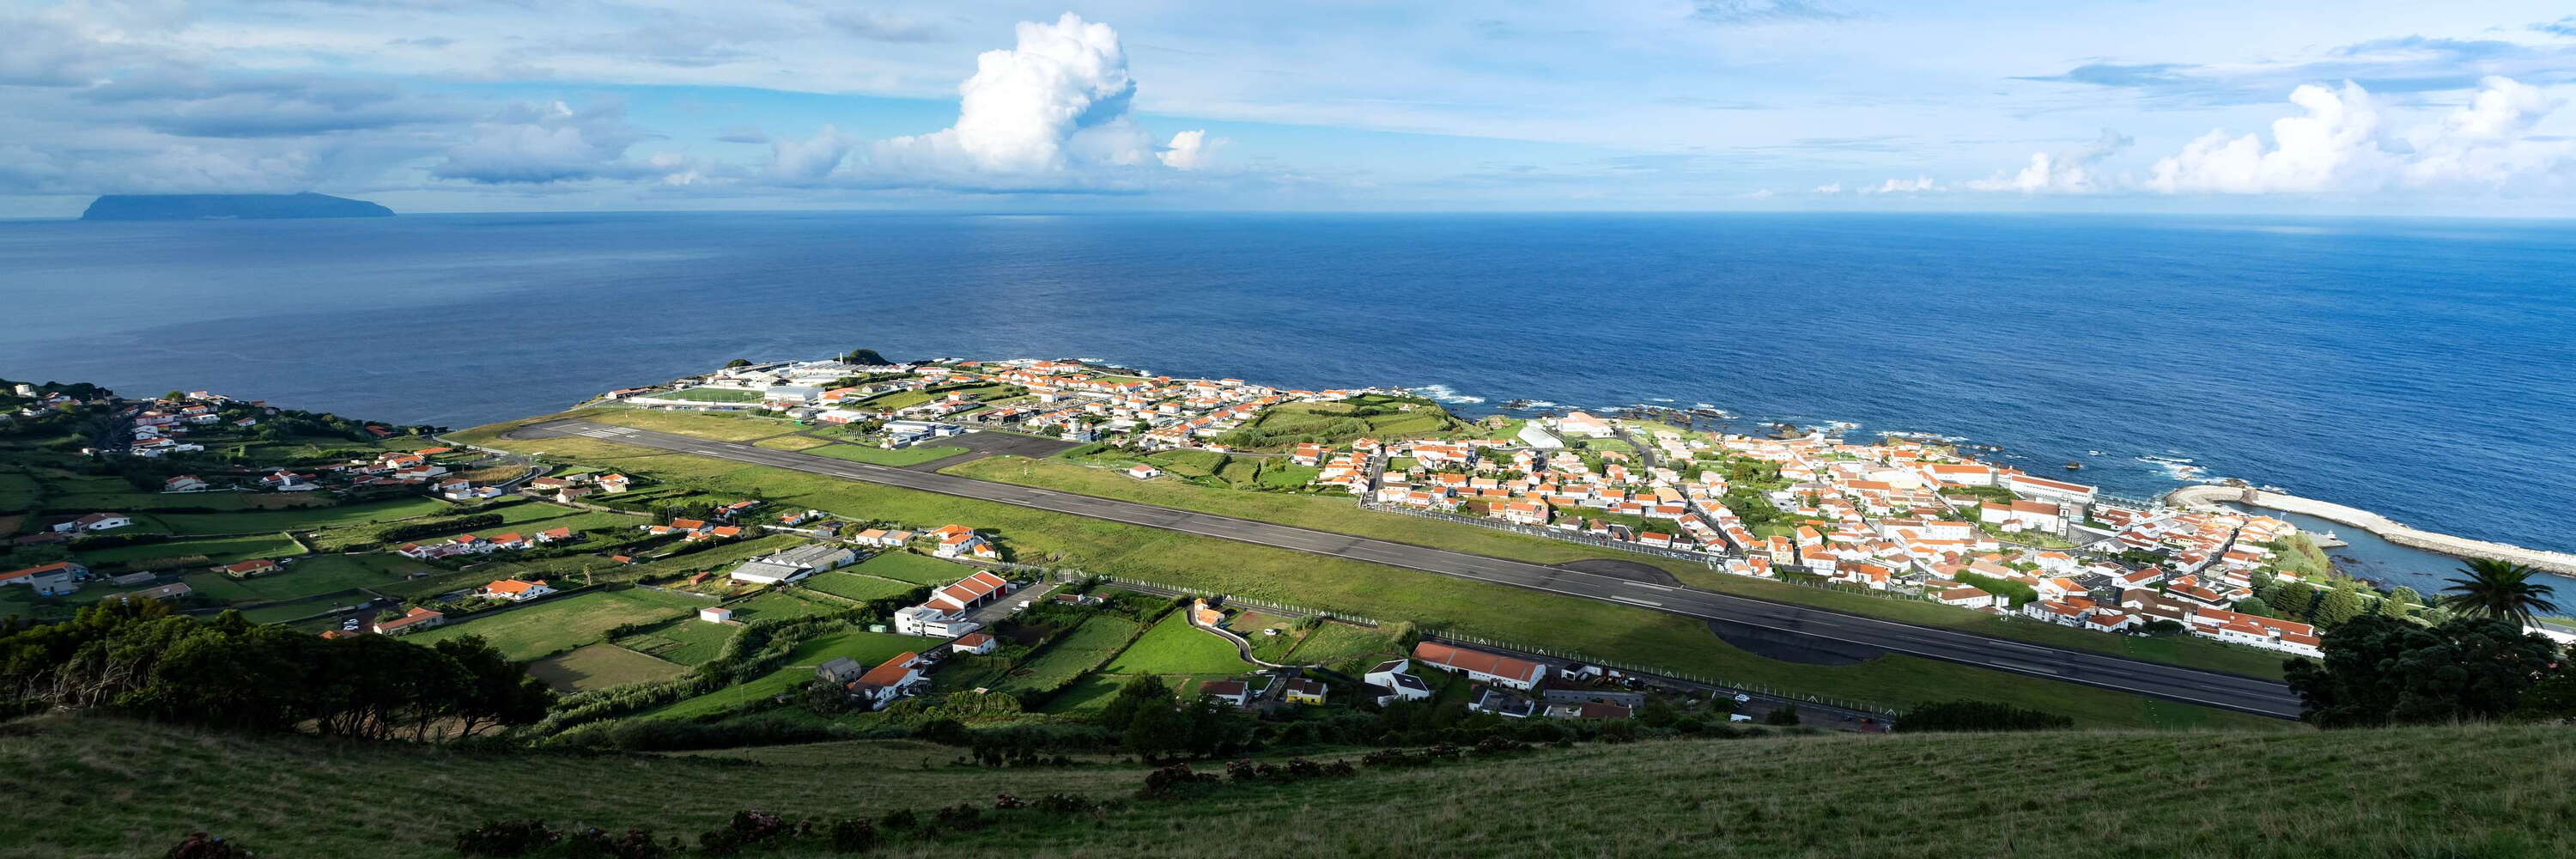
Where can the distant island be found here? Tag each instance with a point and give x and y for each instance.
(190, 207)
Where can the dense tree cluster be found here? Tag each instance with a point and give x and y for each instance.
(2380, 671)
(1978, 716)
(138, 658)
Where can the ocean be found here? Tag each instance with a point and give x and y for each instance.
(2424, 369)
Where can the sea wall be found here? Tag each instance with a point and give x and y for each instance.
(2388, 529)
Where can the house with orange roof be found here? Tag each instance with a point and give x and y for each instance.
(59, 577)
(891, 679)
(515, 590)
(412, 621)
(1481, 666)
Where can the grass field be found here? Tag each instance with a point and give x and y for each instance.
(1339, 515)
(917, 569)
(792, 442)
(305, 519)
(1090, 644)
(687, 641)
(1588, 627)
(1175, 647)
(18, 491)
(565, 622)
(312, 576)
(869, 648)
(709, 395)
(701, 424)
(82, 502)
(600, 666)
(1333, 643)
(303, 608)
(881, 456)
(217, 550)
(862, 588)
(776, 605)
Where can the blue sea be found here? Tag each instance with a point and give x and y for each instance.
(2425, 369)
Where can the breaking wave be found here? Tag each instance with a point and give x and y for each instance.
(1446, 394)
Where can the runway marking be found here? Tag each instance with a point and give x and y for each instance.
(1652, 585)
(1649, 603)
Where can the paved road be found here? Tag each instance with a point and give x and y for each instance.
(2209, 688)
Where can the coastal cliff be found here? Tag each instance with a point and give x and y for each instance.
(192, 207)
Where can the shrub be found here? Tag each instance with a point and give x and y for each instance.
(1174, 780)
(853, 835)
(506, 838)
(596, 843)
(1979, 716)
(749, 830)
(199, 845)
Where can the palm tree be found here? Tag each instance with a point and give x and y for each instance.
(2497, 589)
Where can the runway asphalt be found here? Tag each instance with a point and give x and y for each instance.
(2188, 685)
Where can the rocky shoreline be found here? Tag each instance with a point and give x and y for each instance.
(2388, 529)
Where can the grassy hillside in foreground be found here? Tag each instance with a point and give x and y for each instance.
(98, 787)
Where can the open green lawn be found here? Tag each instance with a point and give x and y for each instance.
(792, 442)
(1089, 645)
(854, 586)
(721, 427)
(314, 575)
(881, 456)
(776, 605)
(1596, 629)
(1175, 647)
(1337, 642)
(1338, 514)
(375, 512)
(709, 395)
(81, 502)
(565, 622)
(600, 666)
(18, 491)
(917, 569)
(687, 641)
(217, 550)
(299, 609)
(869, 648)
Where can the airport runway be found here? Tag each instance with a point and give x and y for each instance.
(2187, 685)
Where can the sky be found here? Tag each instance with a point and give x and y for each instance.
(2453, 108)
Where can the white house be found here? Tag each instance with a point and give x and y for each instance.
(95, 522)
(716, 614)
(183, 483)
(1390, 683)
(1965, 597)
(924, 620)
(1232, 692)
(1144, 472)
(517, 591)
(59, 577)
(976, 643)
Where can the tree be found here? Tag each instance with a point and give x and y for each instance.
(2337, 606)
(2295, 599)
(738, 362)
(1785, 714)
(2380, 670)
(2499, 590)
(2399, 602)
(2254, 605)
(2553, 699)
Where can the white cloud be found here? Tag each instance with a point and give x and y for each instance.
(1902, 186)
(2487, 144)
(2341, 145)
(537, 144)
(809, 161)
(1057, 97)
(1830, 188)
(2327, 149)
(2071, 172)
(1189, 150)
